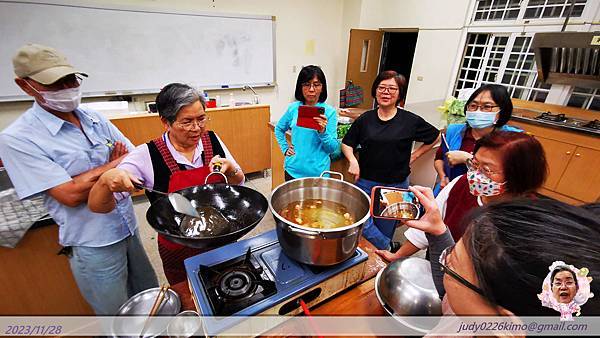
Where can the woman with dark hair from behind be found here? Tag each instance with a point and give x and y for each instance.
(499, 265)
(384, 138)
(489, 108)
(308, 153)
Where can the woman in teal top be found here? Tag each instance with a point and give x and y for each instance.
(308, 153)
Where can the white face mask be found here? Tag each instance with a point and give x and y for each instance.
(63, 100)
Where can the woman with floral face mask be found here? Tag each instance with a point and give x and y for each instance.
(505, 165)
(489, 108)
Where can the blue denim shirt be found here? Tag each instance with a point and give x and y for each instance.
(41, 151)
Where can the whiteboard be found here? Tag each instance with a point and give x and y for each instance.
(129, 51)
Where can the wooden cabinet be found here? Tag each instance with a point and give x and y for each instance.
(244, 130)
(557, 156)
(573, 163)
(37, 281)
(581, 178)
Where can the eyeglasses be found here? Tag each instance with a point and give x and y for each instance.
(473, 165)
(69, 81)
(316, 85)
(390, 90)
(191, 124)
(451, 273)
(484, 108)
(568, 283)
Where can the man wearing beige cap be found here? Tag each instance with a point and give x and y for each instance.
(59, 149)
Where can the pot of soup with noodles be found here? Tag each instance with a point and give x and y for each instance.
(319, 219)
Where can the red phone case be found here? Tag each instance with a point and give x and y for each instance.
(306, 115)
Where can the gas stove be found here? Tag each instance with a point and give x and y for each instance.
(254, 277)
(593, 125)
(552, 117)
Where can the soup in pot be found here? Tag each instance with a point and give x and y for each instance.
(318, 214)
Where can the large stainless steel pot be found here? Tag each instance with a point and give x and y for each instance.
(322, 247)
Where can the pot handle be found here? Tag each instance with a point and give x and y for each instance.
(304, 232)
(216, 173)
(334, 173)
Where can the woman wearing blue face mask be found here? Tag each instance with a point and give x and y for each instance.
(489, 108)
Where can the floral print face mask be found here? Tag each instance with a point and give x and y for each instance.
(481, 185)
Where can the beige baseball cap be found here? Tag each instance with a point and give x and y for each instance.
(44, 64)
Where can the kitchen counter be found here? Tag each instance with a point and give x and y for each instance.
(574, 125)
(359, 300)
(572, 153)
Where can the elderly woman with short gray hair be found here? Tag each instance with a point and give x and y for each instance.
(182, 157)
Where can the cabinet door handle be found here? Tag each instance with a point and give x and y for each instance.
(568, 153)
(578, 154)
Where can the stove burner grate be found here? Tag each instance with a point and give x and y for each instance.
(236, 284)
(593, 125)
(552, 117)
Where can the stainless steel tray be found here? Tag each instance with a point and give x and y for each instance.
(140, 306)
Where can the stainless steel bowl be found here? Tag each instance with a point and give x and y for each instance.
(320, 247)
(405, 288)
(132, 314)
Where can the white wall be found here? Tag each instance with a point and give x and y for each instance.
(440, 26)
(299, 24)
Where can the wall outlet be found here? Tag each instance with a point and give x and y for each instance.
(294, 68)
(419, 78)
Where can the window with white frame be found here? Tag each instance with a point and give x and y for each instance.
(495, 10)
(586, 98)
(499, 52)
(505, 59)
(553, 9)
(487, 10)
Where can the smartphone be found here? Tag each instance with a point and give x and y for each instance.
(306, 115)
(395, 203)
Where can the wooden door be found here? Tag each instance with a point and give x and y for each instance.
(364, 54)
(557, 156)
(581, 179)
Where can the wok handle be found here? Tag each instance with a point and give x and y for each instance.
(141, 187)
(215, 173)
(334, 173)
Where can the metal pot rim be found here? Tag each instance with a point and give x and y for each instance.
(317, 231)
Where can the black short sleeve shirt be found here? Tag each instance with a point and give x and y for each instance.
(384, 147)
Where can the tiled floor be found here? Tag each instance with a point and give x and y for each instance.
(254, 181)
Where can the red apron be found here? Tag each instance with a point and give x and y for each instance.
(173, 254)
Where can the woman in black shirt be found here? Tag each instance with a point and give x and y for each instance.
(383, 138)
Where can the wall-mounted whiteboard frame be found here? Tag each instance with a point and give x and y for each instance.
(246, 44)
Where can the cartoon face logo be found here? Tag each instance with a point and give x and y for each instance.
(565, 289)
(564, 285)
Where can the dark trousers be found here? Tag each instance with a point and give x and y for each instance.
(288, 177)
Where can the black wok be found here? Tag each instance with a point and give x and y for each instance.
(242, 206)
